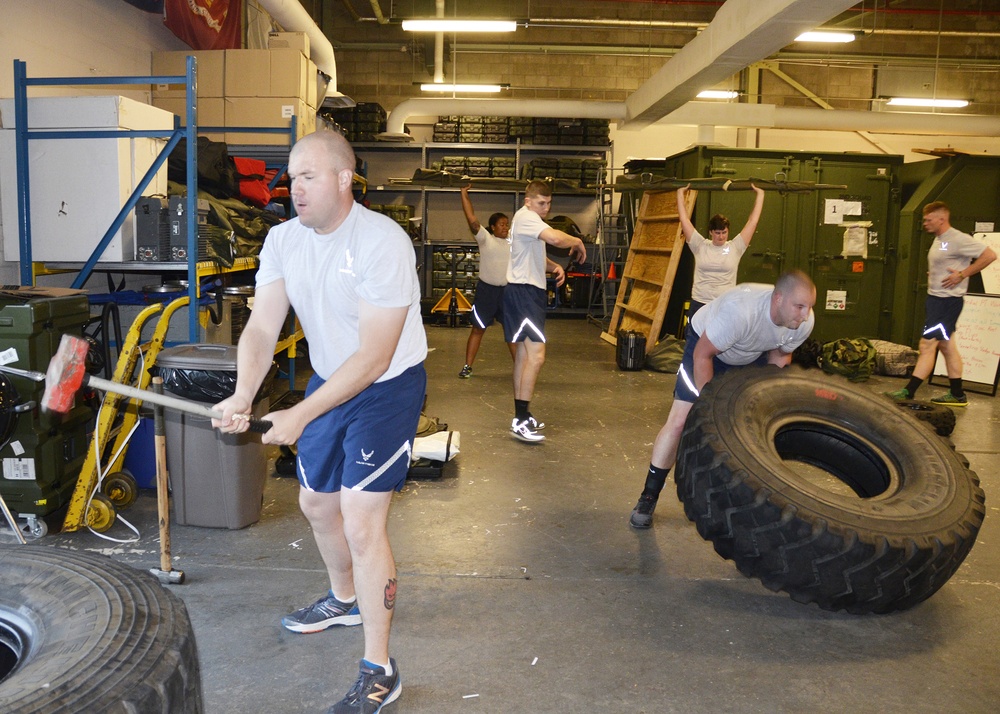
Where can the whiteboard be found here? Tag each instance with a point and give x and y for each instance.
(978, 334)
(991, 276)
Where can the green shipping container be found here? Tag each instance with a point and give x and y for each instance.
(850, 257)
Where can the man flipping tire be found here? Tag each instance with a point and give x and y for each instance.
(752, 324)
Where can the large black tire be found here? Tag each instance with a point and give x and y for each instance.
(749, 455)
(82, 633)
(941, 418)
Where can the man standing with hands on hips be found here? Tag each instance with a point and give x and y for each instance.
(953, 257)
(525, 298)
(350, 275)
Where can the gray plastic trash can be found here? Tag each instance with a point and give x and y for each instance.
(217, 479)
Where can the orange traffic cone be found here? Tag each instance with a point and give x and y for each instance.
(611, 272)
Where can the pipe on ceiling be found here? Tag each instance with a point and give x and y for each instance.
(707, 114)
(294, 18)
(436, 106)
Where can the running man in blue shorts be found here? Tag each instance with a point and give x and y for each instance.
(350, 276)
(750, 324)
(525, 298)
(494, 257)
(952, 258)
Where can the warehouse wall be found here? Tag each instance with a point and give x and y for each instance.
(76, 38)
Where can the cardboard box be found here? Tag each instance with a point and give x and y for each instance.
(289, 74)
(248, 73)
(78, 186)
(312, 85)
(211, 112)
(211, 73)
(266, 73)
(30, 292)
(267, 112)
(288, 41)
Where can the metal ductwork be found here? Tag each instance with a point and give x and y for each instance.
(769, 116)
(435, 106)
(294, 18)
(707, 114)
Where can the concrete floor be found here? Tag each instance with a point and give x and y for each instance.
(522, 587)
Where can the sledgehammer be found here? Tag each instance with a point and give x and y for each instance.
(67, 374)
(165, 573)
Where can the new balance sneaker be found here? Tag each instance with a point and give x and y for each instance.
(466, 372)
(899, 395)
(535, 424)
(951, 401)
(372, 690)
(522, 431)
(642, 514)
(325, 612)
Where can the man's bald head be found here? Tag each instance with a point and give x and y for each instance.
(331, 145)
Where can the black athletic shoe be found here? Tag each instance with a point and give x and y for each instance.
(372, 691)
(642, 514)
(325, 612)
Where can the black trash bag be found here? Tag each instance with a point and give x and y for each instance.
(209, 385)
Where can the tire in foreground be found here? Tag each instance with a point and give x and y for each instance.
(82, 633)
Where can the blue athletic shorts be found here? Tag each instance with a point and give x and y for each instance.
(685, 390)
(488, 305)
(941, 316)
(365, 443)
(524, 312)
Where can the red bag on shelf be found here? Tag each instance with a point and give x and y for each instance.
(253, 184)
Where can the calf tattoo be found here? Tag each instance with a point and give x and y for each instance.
(390, 594)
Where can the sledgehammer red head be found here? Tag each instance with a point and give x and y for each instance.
(65, 374)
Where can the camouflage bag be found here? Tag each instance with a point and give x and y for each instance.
(852, 358)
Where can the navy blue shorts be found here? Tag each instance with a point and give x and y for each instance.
(524, 312)
(685, 389)
(365, 443)
(941, 316)
(488, 305)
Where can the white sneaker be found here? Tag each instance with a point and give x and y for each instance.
(535, 424)
(522, 431)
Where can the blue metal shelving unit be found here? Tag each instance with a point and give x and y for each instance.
(24, 134)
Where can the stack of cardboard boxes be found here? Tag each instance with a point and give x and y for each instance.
(246, 88)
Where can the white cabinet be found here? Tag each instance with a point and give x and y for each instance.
(78, 186)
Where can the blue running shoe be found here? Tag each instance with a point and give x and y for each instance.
(325, 612)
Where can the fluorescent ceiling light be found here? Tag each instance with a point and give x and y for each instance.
(917, 102)
(478, 88)
(718, 94)
(819, 36)
(442, 25)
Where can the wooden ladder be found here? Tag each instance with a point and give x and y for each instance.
(648, 276)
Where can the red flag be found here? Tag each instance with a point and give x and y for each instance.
(205, 24)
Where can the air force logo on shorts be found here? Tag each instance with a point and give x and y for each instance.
(366, 455)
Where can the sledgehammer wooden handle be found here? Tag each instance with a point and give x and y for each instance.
(167, 401)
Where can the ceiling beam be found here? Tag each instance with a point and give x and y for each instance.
(743, 32)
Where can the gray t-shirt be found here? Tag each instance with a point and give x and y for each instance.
(494, 257)
(369, 257)
(715, 266)
(739, 324)
(952, 250)
(527, 249)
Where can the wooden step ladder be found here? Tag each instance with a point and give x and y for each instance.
(653, 257)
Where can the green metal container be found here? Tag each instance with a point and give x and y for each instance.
(970, 185)
(795, 230)
(42, 459)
